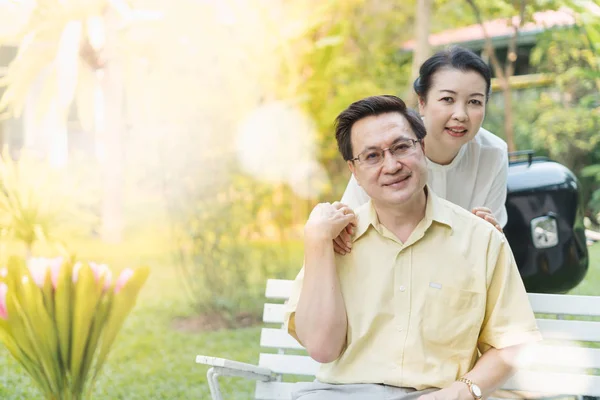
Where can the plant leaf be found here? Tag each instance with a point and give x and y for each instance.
(123, 302)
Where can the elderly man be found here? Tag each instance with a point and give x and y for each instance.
(429, 303)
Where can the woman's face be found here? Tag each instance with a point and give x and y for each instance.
(454, 109)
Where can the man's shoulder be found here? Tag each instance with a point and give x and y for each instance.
(364, 216)
(465, 221)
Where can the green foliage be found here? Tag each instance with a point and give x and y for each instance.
(569, 133)
(232, 237)
(38, 203)
(567, 120)
(354, 54)
(24, 215)
(526, 109)
(453, 13)
(569, 55)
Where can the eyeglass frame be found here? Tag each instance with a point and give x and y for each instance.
(414, 142)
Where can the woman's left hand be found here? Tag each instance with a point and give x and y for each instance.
(486, 213)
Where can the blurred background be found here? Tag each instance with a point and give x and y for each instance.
(195, 136)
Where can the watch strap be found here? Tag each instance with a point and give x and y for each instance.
(470, 384)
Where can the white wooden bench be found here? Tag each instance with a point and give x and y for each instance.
(559, 366)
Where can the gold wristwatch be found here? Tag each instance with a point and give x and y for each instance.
(473, 388)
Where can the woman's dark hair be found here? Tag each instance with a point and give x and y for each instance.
(374, 105)
(453, 57)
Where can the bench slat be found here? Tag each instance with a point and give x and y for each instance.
(587, 331)
(289, 364)
(273, 313)
(279, 289)
(560, 356)
(554, 383)
(565, 304)
(541, 303)
(278, 339)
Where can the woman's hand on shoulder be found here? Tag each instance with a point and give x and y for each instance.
(486, 214)
(342, 244)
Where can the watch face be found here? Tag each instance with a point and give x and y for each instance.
(476, 390)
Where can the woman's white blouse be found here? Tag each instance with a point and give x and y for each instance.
(475, 178)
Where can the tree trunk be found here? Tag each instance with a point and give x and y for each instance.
(112, 160)
(45, 134)
(422, 48)
(112, 137)
(508, 115)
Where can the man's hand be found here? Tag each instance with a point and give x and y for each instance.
(456, 391)
(486, 214)
(327, 220)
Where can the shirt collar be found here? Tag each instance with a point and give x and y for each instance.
(435, 210)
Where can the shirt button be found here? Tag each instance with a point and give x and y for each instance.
(402, 288)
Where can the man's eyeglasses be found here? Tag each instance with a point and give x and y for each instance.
(398, 150)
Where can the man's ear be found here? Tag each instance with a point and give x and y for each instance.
(352, 169)
(350, 166)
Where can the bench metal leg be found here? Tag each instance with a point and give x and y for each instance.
(213, 384)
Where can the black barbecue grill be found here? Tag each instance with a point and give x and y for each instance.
(545, 223)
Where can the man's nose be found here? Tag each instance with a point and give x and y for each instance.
(390, 164)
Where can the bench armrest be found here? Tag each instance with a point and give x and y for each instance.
(235, 368)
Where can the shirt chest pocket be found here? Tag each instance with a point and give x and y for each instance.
(452, 317)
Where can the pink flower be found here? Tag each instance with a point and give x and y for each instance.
(76, 269)
(38, 267)
(102, 270)
(107, 279)
(3, 272)
(98, 270)
(3, 309)
(54, 271)
(126, 274)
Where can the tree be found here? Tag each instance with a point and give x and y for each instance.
(521, 12)
(568, 118)
(353, 53)
(61, 59)
(422, 48)
(503, 73)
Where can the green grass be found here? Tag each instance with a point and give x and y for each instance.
(590, 286)
(150, 360)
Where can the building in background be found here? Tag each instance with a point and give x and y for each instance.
(501, 33)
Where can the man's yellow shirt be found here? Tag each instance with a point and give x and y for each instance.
(418, 312)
